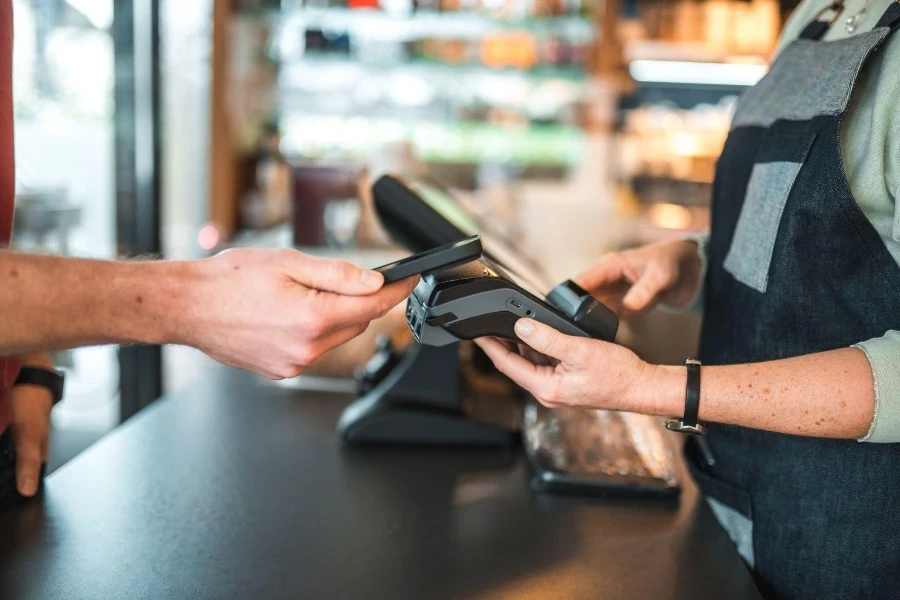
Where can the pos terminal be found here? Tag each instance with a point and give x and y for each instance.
(479, 300)
(424, 394)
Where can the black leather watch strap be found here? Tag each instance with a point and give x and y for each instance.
(692, 393)
(50, 379)
(689, 423)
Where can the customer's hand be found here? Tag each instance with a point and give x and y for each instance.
(637, 280)
(276, 311)
(30, 427)
(561, 370)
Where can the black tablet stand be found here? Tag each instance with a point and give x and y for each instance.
(415, 398)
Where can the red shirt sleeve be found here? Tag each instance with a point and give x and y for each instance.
(8, 368)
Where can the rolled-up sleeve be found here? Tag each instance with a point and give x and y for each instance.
(695, 305)
(884, 357)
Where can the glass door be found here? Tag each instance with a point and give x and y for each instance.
(63, 79)
(85, 90)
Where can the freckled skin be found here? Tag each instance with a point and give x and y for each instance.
(811, 394)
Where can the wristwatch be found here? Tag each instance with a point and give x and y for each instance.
(49, 379)
(689, 423)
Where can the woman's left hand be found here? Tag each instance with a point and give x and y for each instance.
(589, 373)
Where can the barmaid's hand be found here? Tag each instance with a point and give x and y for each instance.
(635, 281)
(583, 372)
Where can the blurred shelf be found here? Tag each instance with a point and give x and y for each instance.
(461, 143)
(664, 50)
(687, 74)
(377, 24)
(422, 91)
(651, 189)
(672, 72)
(685, 96)
(667, 181)
(428, 91)
(301, 69)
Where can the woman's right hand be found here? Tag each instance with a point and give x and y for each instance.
(635, 281)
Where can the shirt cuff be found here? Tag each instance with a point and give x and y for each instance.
(884, 355)
(696, 304)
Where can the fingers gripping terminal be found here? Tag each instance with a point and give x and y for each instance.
(477, 300)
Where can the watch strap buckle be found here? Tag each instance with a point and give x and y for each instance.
(679, 426)
(689, 423)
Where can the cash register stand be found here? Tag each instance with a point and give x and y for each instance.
(415, 398)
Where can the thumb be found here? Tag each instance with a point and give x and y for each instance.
(654, 280)
(552, 343)
(28, 464)
(337, 276)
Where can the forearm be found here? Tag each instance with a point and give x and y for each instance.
(51, 303)
(830, 394)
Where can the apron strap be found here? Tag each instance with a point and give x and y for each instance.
(821, 24)
(891, 17)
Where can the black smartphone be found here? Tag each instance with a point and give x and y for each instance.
(443, 257)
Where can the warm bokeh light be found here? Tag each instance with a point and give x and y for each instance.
(208, 237)
(670, 216)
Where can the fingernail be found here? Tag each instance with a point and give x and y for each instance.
(371, 279)
(28, 487)
(524, 327)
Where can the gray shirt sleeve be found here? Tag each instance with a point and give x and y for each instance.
(695, 305)
(884, 357)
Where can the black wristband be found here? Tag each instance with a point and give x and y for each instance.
(689, 423)
(692, 392)
(49, 379)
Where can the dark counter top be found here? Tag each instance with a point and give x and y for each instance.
(236, 488)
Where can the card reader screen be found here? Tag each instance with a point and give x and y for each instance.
(498, 253)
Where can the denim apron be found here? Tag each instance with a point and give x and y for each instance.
(795, 268)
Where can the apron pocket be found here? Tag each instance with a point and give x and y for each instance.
(777, 165)
(731, 505)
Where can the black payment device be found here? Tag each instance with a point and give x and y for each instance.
(427, 393)
(443, 257)
(479, 299)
